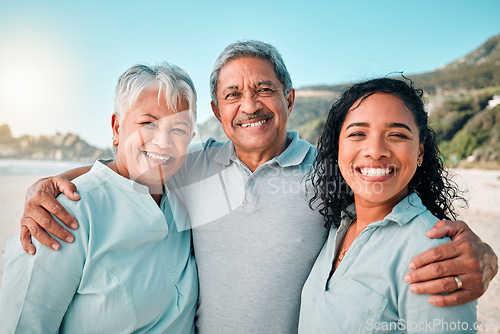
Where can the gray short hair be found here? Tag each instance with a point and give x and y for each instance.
(255, 49)
(168, 78)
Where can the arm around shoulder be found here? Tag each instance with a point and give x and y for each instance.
(466, 256)
(41, 203)
(421, 316)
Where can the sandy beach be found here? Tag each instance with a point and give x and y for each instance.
(483, 215)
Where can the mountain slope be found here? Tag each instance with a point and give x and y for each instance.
(457, 95)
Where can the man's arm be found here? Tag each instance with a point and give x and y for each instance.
(41, 202)
(466, 256)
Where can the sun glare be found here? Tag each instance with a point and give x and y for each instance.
(33, 83)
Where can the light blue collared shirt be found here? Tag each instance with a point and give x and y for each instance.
(129, 269)
(255, 237)
(367, 292)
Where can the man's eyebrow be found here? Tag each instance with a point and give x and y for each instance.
(397, 125)
(366, 125)
(232, 87)
(267, 83)
(229, 89)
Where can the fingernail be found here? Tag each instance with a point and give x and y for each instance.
(413, 288)
(407, 278)
(412, 266)
(31, 252)
(55, 246)
(74, 226)
(70, 239)
(76, 194)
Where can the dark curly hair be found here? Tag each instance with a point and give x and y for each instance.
(431, 181)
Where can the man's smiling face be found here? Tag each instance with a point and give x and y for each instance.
(252, 106)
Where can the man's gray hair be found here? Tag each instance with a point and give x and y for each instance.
(255, 49)
(170, 79)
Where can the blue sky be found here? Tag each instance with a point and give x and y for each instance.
(59, 60)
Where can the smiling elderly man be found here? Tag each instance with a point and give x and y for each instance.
(255, 237)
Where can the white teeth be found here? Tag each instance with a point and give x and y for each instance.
(251, 125)
(375, 171)
(157, 157)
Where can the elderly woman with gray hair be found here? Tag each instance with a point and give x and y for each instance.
(132, 267)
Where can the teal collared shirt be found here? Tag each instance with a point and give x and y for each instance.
(129, 269)
(367, 292)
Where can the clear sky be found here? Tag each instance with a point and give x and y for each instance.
(60, 60)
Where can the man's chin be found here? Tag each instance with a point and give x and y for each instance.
(261, 141)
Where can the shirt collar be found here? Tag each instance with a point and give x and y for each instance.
(107, 174)
(296, 151)
(407, 209)
(226, 154)
(293, 155)
(404, 212)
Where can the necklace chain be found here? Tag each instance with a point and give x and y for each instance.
(345, 249)
(342, 254)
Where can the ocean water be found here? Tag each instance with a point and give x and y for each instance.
(37, 167)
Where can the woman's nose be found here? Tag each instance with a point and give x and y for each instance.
(376, 148)
(162, 137)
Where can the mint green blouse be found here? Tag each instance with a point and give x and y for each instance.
(129, 269)
(367, 292)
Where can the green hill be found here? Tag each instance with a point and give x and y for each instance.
(478, 69)
(457, 97)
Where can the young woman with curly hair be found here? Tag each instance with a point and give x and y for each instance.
(380, 184)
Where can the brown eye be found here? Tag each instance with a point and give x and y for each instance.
(231, 96)
(265, 91)
(399, 135)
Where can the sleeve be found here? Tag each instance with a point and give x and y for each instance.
(37, 290)
(420, 316)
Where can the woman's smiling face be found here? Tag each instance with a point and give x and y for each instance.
(152, 139)
(379, 147)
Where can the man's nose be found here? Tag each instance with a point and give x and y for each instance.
(250, 103)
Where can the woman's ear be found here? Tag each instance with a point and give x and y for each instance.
(115, 125)
(421, 152)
